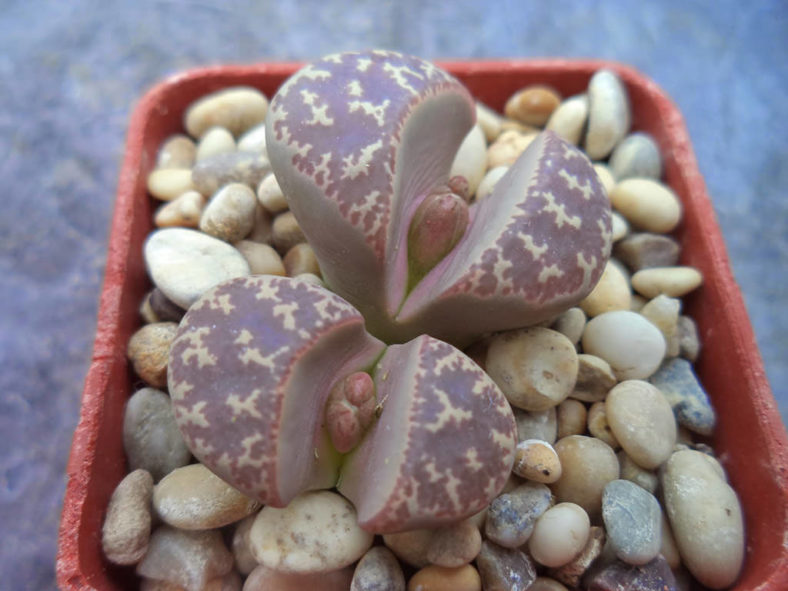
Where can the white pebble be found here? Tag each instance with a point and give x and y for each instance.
(559, 535)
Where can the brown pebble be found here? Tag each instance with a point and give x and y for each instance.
(441, 578)
(410, 546)
(454, 545)
(533, 105)
(301, 259)
(587, 465)
(504, 569)
(126, 531)
(571, 416)
(286, 232)
(148, 350)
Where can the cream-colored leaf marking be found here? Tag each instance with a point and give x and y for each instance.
(528, 243)
(244, 338)
(196, 348)
(550, 271)
(357, 164)
(587, 266)
(319, 115)
(194, 414)
(472, 459)
(363, 63)
(223, 303)
(377, 112)
(447, 413)
(397, 74)
(246, 405)
(247, 458)
(573, 183)
(561, 217)
(285, 311)
(254, 355)
(354, 88)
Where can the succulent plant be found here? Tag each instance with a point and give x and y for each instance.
(362, 144)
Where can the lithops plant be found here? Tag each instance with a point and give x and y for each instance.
(362, 143)
(273, 380)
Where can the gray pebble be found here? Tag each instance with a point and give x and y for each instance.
(150, 434)
(504, 569)
(511, 516)
(644, 250)
(126, 531)
(691, 405)
(636, 156)
(689, 341)
(378, 570)
(212, 173)
(633, 521)
(653, 576)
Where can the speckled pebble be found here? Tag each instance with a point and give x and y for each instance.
(532, 105)
(536, 425)
(316, 532)
(608, 114)
(672, 281)
(286, 232)
(245, 561)
(642, 421)
(263, 578)
(217, 140)
(535, 459)
(508, 147)
(511, 516)
(598, 426)
(126, 530)
(212, 173)
(193, 497)
(151, 437)
(229, 215)
(636, 156)
(441, 578)
(559, 535)
(236, 108)
(184, 211)
(186, 558)
(648, 204)
(504, 569)
(678, 383)
(571, 324)
(177, 151)
(572, 572)
(378, 570)
(148, 350)
(270, 195)
(587, 465)
(632, 521)
(642, 250)
(262, 258)
(569, 118)
(595, 378)
(470, 162)
(571, 415)
(454, 545)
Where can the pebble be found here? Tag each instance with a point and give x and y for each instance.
(470, 161)
(616, 575)
(185, 263)
(410, 546)
(301, 259)
(569, 118)
(648, 204)
(620, 226)
(632, 521)
(263, 578)
(508, 147)
(378, 570)
(571, 324)
(229, 215)
(253, 139)
(645, 479)
(286, 232)
(184, 211)
(237, 109)
(186, 558)
(535, 368)
(245, 561)
(262, 228)
(645, 249)
(151, 437)
(535, 459)
(706, 519)
(126, 530)
(511, 516)
(598, 426)
(454, 545)
(193, 497)
(177, 151)
(632, 346)
(636, 156)
(270, 195)
(546, 584)
(212, 173)
(689, 341)
(642, 421)
(671, 281)
(668, 548)
(608, 114)
(605, 176)
(217, 140)
(262, 258)
(536, 424)
(441, 578)
(148, 350)
(164, 309)
(691, 405)
(663, 312)
(518, 126)
(167, 184)
(572, 417)
(489, 181)
(504, 569)
(572, 572)
(595, 378)
(317, 532)
(611, 292)
(560, 534)
(587, 465)
(532, 105)
(489, 120)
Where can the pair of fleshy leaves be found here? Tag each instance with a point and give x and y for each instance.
(252, 367)
(359, 140)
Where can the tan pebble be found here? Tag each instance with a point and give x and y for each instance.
(620, 227)
(595, 378)
(317, 532)
(286, 232)
(478, 518)
(638, 301)
(671, 281)
(126, 530)
(533, 105)
(245, 561)
(470, 160)
(598, 426)
(536, 368)
(229, 215)
(571, 415)
(489, 181)
(301, 259)
(213, 172)
(645, 479)
(559, 535)
(668, 547)
(148, 350)
(216, 140)
(587, 465)
(518, 126)
(183, 211)
(263, 226)
(610, 293)
(508, 147)
(263, 578)
(440, 578)
(177, 151)
(489, 120)
(648, 204)
(571, 324)
(454, 545)
(569, 119)
(663, 312)
(605, 176)
(546, 584)
(378, 570)
(237, 109)
(169, 183)
(253, 140)
(270, 195)
(541, 424)
(262, 258)
(310, 278)
(689, 341)
(536, 460)
(410, 546)
(571, 572)
(642, 421)
(193, 497)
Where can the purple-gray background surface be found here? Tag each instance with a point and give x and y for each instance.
(70, 72)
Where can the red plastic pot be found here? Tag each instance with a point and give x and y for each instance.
(750, 437)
